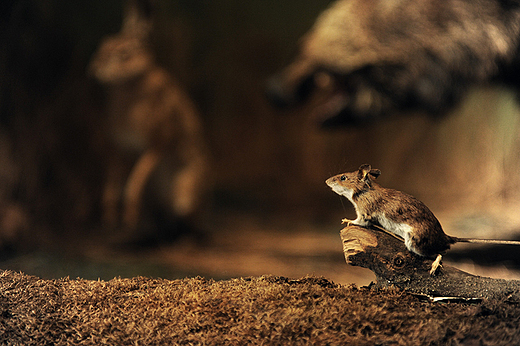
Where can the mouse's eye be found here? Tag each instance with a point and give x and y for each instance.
(343, 178)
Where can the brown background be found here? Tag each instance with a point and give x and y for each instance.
(266, 164)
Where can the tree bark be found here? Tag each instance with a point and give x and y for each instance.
(395, 265)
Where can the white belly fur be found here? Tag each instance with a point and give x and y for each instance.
(401, 229)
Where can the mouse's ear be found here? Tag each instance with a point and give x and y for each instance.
(363, 171)
(375, 173)
(366, 171)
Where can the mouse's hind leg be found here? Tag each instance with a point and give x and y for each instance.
(436, 265)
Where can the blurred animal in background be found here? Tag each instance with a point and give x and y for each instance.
(373, 58)
(154, 132)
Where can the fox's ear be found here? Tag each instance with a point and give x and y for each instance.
(137, 18)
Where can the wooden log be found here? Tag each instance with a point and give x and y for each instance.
(394, 265)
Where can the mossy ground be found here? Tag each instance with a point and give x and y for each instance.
(265, 310)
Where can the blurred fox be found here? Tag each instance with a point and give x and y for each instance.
(153, 128)
(376, 57)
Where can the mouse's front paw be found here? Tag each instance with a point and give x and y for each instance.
(347, 222)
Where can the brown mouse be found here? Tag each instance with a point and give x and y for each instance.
(397, 212)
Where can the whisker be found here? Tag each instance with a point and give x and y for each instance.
(341, 198)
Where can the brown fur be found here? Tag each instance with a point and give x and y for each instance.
(397, 212)
(386, 207)
(151, 124)
(386, 56)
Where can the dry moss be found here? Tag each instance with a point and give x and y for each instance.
(262, 310)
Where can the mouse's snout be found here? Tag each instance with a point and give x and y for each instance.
(331, 181)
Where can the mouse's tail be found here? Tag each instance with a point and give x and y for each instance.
(484, 241)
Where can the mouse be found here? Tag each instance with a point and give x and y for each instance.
(397, 212)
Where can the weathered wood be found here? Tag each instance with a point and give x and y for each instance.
(394, 265)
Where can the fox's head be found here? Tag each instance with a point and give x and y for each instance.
(377, 57)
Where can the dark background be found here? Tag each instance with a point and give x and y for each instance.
(268, 167)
